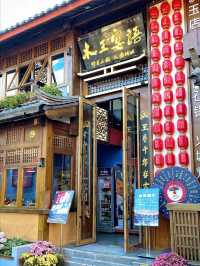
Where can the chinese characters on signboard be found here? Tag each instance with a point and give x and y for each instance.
(193, 11)
(116, 42)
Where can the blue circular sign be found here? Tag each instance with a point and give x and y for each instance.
(177, 185)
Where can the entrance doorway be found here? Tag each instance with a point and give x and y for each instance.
(105, 202)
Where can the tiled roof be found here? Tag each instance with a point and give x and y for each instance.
(38, 15)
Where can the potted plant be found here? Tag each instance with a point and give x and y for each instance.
(169, 259)
(42, 253)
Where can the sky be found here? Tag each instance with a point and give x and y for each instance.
(13, 11)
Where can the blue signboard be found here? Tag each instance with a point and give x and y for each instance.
(61, 206)
(146, 207)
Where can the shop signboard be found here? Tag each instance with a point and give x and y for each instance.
(193, 14)
(113, 43)
(61, 206)
(146, 207)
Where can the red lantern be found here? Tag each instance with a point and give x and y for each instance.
(170, 159)
(167, 66)
(168, 96)
(170, 143)
(154, 27)
(183, 158)
(178, 48)
(157, 129)
(169, 127)
(166, 36)
(181, 109)
(167, 81)
(159, 160)
(177, 18)
(179, 62)
(180, 94)
(176, 4)
(180, 78)
(156, 84)
(155, 69)
(168, 111)
(156, 98)
(165, 8)
(158, 144)
(166, 51)
(154, 12)
(155, 40)
(155, 54)
(157, 113)
(165, 22)
(182, 125)
(183, 142)
(178, 33)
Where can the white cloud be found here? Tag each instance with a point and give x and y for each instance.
(13, 11)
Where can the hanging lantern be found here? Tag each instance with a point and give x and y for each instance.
(157, 113)
(169, 127)
(155, 69)
(167, 81)
(165, 8)
(155, 54)
(167, 66)
(183, 142)
(180, 94)
(169, 143)
(179, 62)
(155, 40)
(165, 22)
(156, 84)
(156, 98)
(178, 48)
(177, 18)
(181, 109)
(166, 36)
(180, 78)
(158, 144)
(182, 125)
(154, 12)
(154, 27)
(178, 33)
(168, 96)
(166, 51)
(183, 158)
(157, 129)
(169, 111)
(159, 160)
(177, 4)
(170, 159)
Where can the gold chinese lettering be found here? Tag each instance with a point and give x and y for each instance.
(87, 53)
(145, 162)
(103, 47)
(116, 39)
(134, 35)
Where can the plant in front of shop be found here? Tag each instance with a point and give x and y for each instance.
(169, 259)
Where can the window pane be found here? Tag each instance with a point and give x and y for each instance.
(9, 78)
(62, 173)
(11, 187)
(29, 186)
(58, 63)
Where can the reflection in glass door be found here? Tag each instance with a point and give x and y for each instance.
(131, 160)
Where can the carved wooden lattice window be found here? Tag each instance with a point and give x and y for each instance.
(3, 137)
(11, 60)
(57, 44)
(14, 135)
(1, 63)
(31, 155)
(62, 142)
(2, 155)
(102, 124)
(13, 156)
(40, 71)
(25, 56)
(41, 49)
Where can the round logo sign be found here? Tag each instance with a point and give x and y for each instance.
(176, 185)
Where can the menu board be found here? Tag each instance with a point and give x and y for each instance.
(146, 209)
(61, 206)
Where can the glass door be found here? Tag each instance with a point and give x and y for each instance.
(131, 162)
(86, 196)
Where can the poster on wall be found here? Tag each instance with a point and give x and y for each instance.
(61, 206)
(114, 43)
(146, 207)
